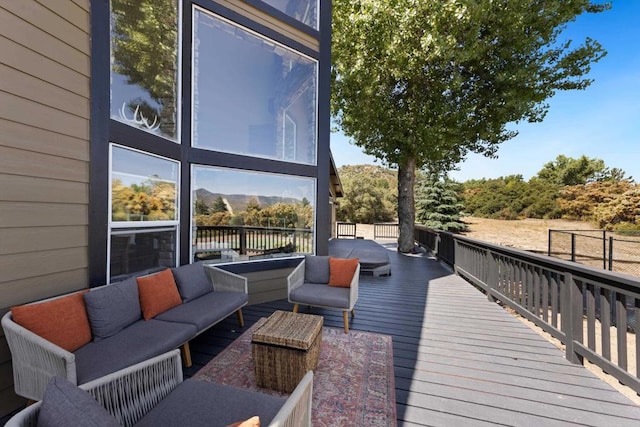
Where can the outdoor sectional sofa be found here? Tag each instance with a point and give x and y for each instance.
(152, 393)
(88, 334)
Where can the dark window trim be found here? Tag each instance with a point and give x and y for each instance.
(99, 143)
(105, 130)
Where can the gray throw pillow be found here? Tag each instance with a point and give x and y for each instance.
(64, 404)
(112, 308)
(316, 269)
(192, 281)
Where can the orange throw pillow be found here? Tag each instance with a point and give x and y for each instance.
(158, 293)
(62, 321)
(341, 271)
(251, 422)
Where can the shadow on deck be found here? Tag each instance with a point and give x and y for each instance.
(459, 359)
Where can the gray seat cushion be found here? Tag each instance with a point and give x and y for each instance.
(140, 341)
(207, 310)
(64, 404)
(112, 308)
(316, 269)
(200, 403)
(192, 281)
(321, 295)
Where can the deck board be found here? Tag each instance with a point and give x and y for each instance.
(459, 359)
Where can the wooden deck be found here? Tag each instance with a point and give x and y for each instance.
(459, 359)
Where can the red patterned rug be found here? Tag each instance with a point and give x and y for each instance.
(353, 385)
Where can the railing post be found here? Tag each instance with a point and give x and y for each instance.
(610, 253)
(492, 275)
(572, 317)
(573, 247)
(549, 243)
(243, 241)
(604, 249)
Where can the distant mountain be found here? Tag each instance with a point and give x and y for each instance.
(239, 202)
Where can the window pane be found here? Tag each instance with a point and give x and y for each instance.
(252, 96)
(143, 187)
(239, 216)
(144, 65)
(305, 11)
(136, 251)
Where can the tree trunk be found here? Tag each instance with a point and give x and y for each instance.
(406, 204)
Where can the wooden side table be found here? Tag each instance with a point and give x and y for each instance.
(284, 348)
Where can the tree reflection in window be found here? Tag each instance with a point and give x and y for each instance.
(144, 65)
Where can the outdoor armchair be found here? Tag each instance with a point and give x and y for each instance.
(310, 284)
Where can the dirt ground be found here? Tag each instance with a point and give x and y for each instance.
(527, 234)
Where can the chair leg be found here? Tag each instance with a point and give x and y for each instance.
(186, 355)
(240, 318)
(295, 308)
(353, 312)
(345, 318)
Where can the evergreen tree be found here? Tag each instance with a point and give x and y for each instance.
(438, 206)
(219, 205)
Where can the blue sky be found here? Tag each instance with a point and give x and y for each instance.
(601, 122)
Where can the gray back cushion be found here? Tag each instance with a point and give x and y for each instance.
(112, 308)
(64, 404)
(316, 269)
(192, 281)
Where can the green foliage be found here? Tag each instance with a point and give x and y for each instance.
(278, 215)
(605, 202)
(422, 83)
(219, 205)
(370, 194)
(144, 38)
(603, 195)
(437, 204)
(149, 201)
(568, 171)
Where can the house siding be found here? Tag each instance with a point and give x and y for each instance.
(44, 157)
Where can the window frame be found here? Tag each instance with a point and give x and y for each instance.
(134, 227)
(300, 50)
(104, 130)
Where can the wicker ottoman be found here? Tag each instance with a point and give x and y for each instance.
(284, 348)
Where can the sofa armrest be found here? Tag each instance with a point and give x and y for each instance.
(225, 280)
(35, 360)
(295, 279)
(353, 288)
(128, 394)
(297, 409)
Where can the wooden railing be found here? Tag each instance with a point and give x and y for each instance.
(346, 229)
(593, 312)
(385, 231)
(252, 241)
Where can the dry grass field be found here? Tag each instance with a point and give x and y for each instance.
(527, 234)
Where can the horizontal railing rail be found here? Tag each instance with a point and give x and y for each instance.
(593, 312)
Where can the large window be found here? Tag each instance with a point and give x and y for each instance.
(251, 95)
(240, 216)
(210, 146)
(305, 11)
(144, 213)
(144, 65)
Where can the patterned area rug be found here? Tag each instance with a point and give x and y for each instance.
(353, 385)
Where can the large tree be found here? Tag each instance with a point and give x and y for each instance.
(423, 83)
